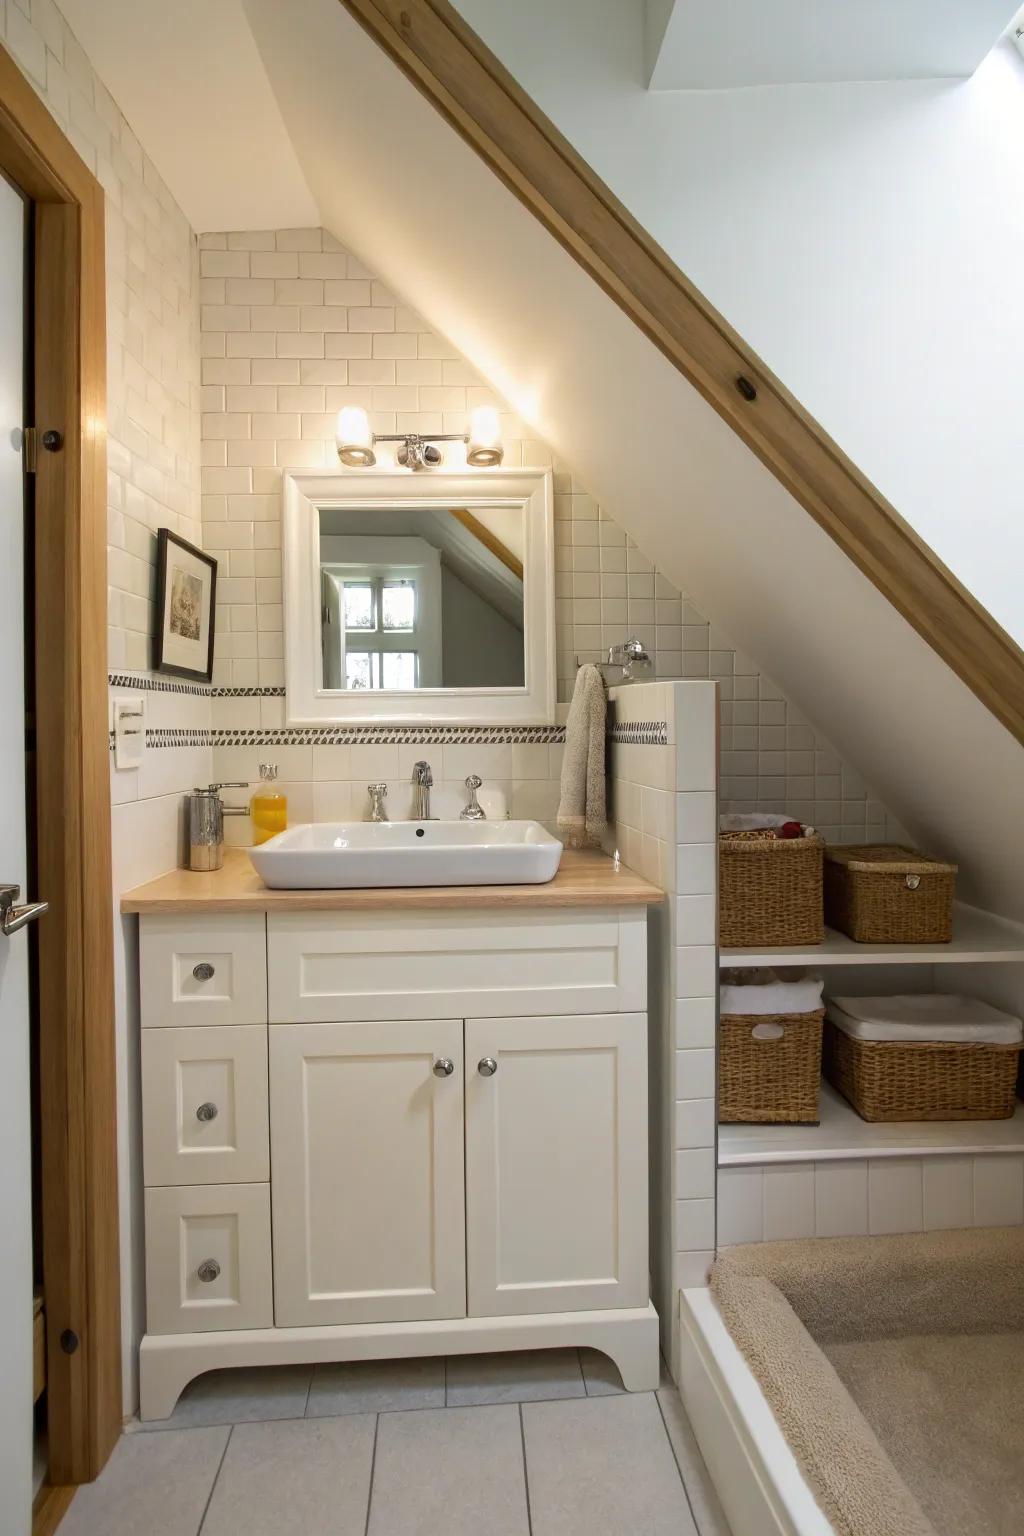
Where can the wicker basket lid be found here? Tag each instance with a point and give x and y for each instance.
(887, 859)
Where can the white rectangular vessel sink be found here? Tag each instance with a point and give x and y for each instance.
(340, 855)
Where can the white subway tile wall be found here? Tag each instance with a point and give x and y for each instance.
(293, 328)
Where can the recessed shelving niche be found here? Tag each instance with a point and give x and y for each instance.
(843, 1134)
(978, 937)
(980, 940)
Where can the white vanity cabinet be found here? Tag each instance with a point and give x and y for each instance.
(394, 1132)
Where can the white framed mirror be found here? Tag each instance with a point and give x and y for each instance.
(419, 599)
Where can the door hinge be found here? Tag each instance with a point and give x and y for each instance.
(30, 443)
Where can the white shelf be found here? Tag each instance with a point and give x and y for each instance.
(977, 936)
(843, 1134)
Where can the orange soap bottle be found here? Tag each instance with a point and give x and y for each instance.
(268, 807)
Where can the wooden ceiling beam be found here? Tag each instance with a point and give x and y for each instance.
(453, 68)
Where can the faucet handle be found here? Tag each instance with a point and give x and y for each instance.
(473, 810)
(421, 774)
(377, 793)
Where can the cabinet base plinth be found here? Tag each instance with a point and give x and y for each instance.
(168, 1362)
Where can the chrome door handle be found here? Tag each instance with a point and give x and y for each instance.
(13, 917)
(443, 1067)
(487, 1067)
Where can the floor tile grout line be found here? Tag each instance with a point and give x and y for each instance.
(526, 1473)
(309, 1393)
(216, 1480)
(446, 1381)
(679, 1469)
(373, 1474)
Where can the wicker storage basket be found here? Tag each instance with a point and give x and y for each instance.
(769, 1081)
(880, 893)
(892, 1080)
(769, 890)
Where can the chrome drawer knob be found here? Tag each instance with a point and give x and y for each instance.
(487, 1067)
(443, 1067)
(203, 971)
(206, 1112)
(208, 1270)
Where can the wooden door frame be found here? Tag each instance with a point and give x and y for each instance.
(78, 1100)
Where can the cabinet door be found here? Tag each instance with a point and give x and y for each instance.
(556, 1163)
(366, 1136)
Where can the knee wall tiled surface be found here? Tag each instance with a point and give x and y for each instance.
(666, 819)
(863, 1197)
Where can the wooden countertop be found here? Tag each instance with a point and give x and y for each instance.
(584, 879)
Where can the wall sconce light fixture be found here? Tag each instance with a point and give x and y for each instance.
(356, 441)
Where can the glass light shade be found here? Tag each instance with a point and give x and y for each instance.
(484, 449)
(354, 438)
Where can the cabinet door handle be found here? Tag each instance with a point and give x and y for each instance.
(443, 1067)
(203, 971)
(206, 1112)
(208, 1270)
(487, 1067)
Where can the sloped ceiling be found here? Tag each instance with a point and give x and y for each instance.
(189, 79)
(715, 44)
(445, 233)
(401, 189)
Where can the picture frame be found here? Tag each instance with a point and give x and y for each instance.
(186, 594)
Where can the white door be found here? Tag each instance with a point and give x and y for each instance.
(556, 1163)
(366, 1157)
(15, 1165)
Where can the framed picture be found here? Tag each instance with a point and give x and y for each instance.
(186, 586)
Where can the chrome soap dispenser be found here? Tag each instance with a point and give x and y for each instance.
(206, 812)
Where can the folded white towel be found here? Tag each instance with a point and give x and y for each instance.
(803, 996)
(756, 821)
(925, 1018)
(582, 815)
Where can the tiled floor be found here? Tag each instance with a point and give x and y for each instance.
(530, 1444)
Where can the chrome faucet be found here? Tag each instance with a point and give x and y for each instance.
(377, 794)
(423, 782)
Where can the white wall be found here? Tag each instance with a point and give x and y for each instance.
(866, 240)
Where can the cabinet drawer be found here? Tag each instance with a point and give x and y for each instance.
(205, 1118)
(203, 971)
(208, 1263)
(341, 966)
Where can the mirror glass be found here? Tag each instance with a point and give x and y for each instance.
(421, 597)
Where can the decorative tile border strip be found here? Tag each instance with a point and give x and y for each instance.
(388, 735)
(640, 733)
(147, 682)
(649, 733)
(247, 693)
(182, 736)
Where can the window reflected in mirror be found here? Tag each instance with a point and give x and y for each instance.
(421, 597)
